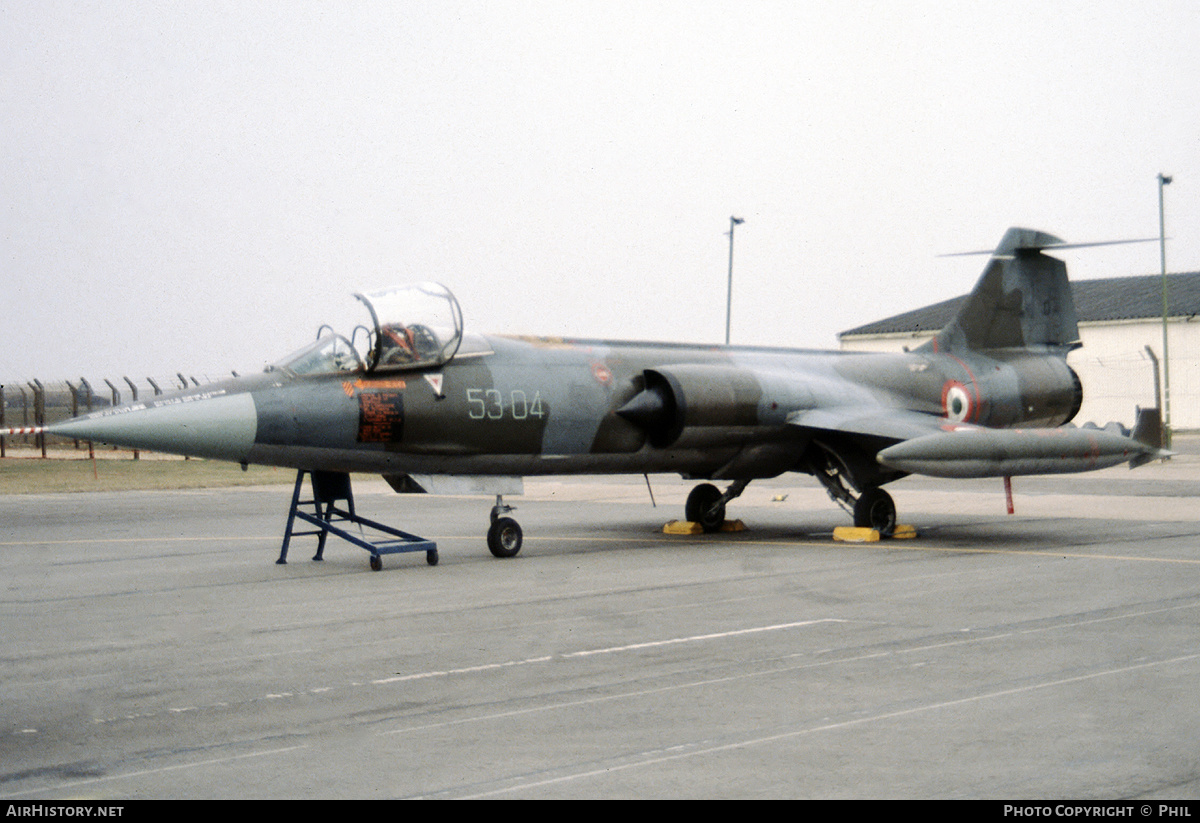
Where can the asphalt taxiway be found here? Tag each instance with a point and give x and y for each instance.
(150, 647)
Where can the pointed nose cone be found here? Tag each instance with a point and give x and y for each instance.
(219, 426)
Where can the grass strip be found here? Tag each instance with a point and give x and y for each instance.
(36, 476)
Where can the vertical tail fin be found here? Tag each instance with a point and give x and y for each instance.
(1022, 301)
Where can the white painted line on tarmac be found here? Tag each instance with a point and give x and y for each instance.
(611, 650)
(758, 741)
(700, 637)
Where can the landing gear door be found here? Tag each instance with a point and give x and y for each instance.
(415, 327)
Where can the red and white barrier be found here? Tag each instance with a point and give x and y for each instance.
(18, 432)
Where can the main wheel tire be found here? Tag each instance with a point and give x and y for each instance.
(875, 509)
(702, 507)
(504, 538)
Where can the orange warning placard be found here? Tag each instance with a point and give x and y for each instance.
(380, 417)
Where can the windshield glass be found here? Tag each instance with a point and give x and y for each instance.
(415, 326)
(331, 353)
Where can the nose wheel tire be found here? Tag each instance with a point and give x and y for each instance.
(875, 509)
(504, 538)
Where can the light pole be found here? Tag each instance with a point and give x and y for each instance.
(733, 221)
(1164, 180)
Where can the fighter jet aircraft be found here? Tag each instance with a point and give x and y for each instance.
(432, 408)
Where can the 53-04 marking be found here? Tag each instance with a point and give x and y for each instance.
(490, 404)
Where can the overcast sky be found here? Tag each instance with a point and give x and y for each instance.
(198, 186)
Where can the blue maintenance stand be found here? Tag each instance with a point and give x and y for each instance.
(329, 489)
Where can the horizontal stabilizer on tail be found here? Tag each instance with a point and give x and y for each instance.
(1021, 301)
(1017, 239)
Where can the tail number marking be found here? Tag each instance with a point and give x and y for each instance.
(489, 404)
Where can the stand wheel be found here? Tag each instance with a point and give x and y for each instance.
(431, 557)
(376, 562)
(504, 538)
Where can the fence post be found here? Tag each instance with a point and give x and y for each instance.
(39, 412)
(116, 397)
(90, 396)
(74, 404)
(133, 391)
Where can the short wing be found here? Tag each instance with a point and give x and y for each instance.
(873, 422)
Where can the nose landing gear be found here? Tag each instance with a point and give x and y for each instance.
(504, 537)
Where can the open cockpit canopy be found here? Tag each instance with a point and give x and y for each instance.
(411, 327)
(414, 327)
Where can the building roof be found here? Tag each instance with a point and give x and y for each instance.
(1096, 301)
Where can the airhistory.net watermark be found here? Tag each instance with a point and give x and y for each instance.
(61, 810)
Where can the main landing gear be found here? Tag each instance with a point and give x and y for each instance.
(706, 504)
(872, 507)
(875, 509)
(857, 492)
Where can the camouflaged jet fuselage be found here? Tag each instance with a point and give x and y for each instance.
(538, 406)
(987, 396)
